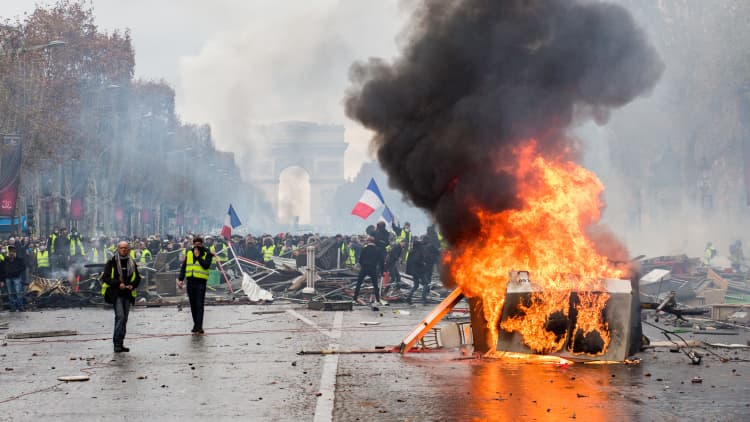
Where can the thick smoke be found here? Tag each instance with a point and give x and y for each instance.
(477, 77)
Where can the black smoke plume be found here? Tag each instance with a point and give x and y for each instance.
(478, 76)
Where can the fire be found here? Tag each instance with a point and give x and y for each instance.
(545, 235)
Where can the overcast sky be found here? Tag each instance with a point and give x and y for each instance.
(237, 63)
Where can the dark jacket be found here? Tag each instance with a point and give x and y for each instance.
(114, 283)
(13, 268)
(62, 245)
(252, 252)
(415, 264)
(370, 257)
(381, 238)
(394, 255)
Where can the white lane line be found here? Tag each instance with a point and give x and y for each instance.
(324, 405)
(332, 333)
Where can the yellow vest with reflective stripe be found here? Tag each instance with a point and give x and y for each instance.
(105, 286)
(75, 244)
(42, 259)
(95, 255)
(193, 268)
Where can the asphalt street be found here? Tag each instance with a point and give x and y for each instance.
(247, 367)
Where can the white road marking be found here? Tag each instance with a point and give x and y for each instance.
(332, 333)
(325, 402)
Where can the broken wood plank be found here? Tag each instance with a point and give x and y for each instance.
(39, 334)
(344, 352)
(431, 319)
(73, 378)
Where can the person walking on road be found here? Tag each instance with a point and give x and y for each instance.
(121, 276)
(195, 269)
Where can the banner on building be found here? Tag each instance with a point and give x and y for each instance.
(10, 173)
(76, 208)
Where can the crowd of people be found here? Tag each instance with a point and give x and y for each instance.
(375, 253)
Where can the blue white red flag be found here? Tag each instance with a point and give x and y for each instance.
(231, 221)
(369, 202)
(387, 215)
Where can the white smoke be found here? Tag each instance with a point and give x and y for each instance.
(285, 63)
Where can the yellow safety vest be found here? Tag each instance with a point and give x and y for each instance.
(268, 252)
(443, 242)
(105, 286)
(42, 259)
(73, 244)
(145, 255)
(405, 236)
(95, 255)
(52, 238)
(223, 255)
(193, 268)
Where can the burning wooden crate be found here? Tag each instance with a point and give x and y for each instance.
(577, 325)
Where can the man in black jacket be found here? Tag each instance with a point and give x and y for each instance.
(416, 267)
(121, 275)
(392, 261)
(369, 260)
(11, 272)
(61, 248)
(381, 242)
(195, 269)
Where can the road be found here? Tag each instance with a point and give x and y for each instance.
(247, 367)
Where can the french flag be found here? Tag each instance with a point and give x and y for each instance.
(387, 216)
(369, 202)
(231, 221)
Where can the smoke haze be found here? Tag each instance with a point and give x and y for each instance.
(478, 77)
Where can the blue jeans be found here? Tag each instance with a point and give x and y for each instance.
(15, 293)
(122, 309)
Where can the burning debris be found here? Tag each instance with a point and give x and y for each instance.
(471, 124)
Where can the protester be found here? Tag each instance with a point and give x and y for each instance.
(369, 261)
(120, 281)
(195, 269)
(382, 238)
(392, 262)
(11, 272)
(61, 250)
(416, 267)
(42, 263)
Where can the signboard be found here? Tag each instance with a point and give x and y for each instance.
(10, 171)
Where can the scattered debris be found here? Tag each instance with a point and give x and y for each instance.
(40, 334)
(74, 378)
(346, 352)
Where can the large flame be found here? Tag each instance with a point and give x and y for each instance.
(545, 235)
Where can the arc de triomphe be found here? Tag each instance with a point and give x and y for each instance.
(318, 149)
